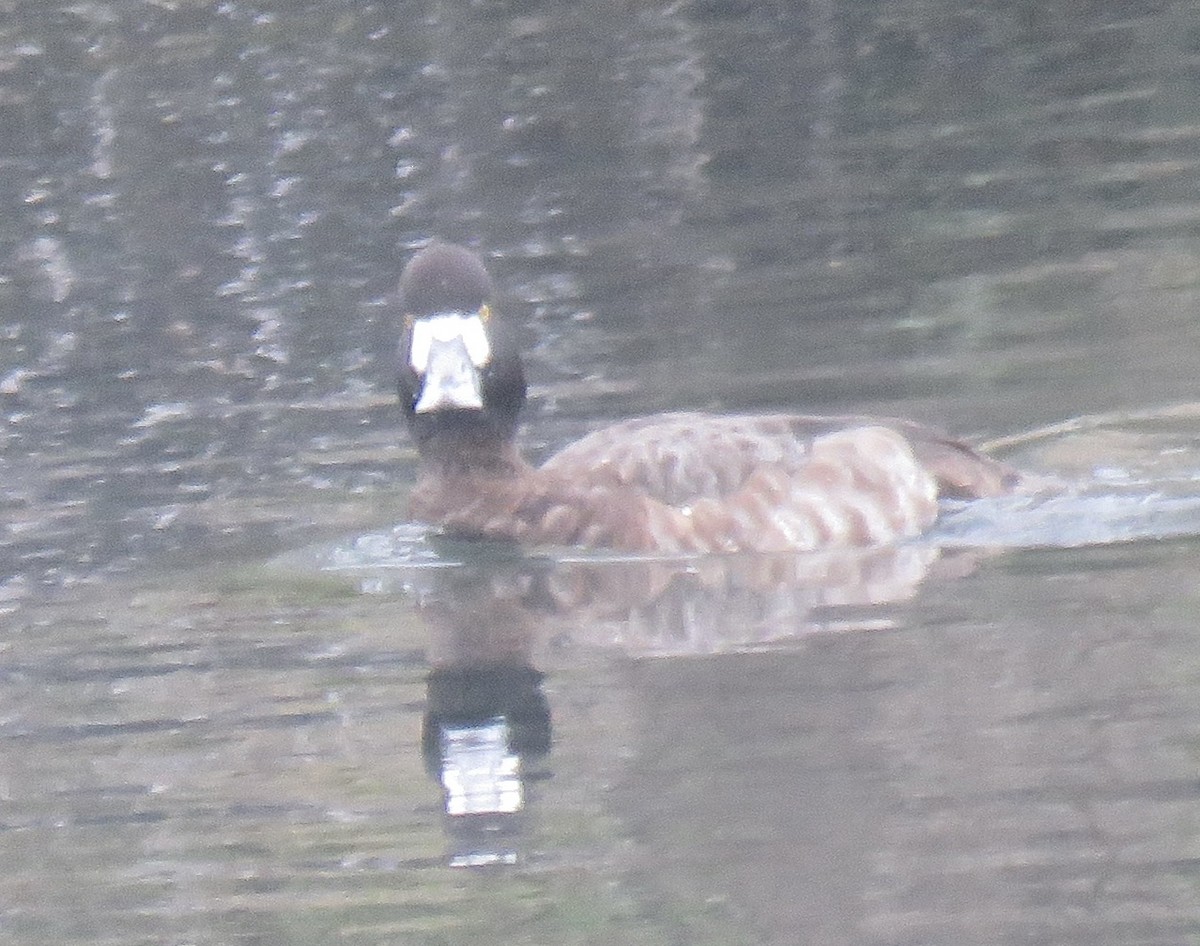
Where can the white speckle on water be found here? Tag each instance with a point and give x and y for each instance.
(163, 413)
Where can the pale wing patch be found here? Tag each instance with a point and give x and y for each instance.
(680, 458)
(861, 487)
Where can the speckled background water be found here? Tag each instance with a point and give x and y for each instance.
(982, 216)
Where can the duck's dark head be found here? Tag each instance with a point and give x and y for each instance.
(460, 377)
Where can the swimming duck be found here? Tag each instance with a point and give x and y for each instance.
(669, 484)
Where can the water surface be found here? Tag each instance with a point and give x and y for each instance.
(984, 217)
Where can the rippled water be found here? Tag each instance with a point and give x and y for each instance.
(980, 216)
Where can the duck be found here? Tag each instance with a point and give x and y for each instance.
(678, 483)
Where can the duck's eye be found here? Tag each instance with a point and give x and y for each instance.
(447, 328)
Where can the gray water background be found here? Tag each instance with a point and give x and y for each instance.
(980, 215)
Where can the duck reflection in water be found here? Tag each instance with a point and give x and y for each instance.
(484, 739)
(497, 623)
